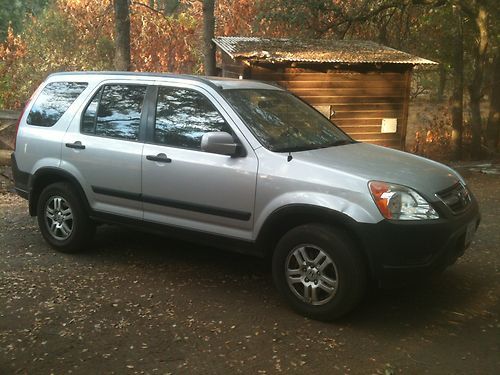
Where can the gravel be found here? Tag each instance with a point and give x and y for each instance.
(137, 303)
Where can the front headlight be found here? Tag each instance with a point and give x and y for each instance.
(397, 202)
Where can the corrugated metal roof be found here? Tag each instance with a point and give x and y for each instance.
(314, 50)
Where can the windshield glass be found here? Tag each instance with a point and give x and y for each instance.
(282, 122)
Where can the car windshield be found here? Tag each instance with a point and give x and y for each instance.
(282, 122)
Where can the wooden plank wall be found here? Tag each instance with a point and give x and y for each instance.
(360, 99)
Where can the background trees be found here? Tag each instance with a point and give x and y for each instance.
(460, 34)
(80, 35)
(175, 35)
(13, 13)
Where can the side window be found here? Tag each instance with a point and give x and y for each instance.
(183, 116)
(53, 102)
(115, 111)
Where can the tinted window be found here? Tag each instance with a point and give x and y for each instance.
(53, 102)
(118, 113)
(183, 116)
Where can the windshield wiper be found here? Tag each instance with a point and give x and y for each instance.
(312, 146)
(294, 148)
(338, 142)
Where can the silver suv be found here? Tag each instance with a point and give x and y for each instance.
(238, 164)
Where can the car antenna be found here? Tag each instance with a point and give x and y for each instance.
(290, 157)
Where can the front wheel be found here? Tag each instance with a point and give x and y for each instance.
(62, 218)
(319, 271)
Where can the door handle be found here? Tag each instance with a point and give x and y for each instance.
(161, 158)
(78, 145)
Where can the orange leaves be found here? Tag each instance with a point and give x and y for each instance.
(235, 17)
(79, 34)
(158, 42)
(162, 43)
(12, 50)
(241, 18)
(13, 45)
(91, 18)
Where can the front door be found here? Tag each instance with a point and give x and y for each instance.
(185, 187)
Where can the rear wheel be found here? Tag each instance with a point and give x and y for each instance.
(319, 271)
(62, 218)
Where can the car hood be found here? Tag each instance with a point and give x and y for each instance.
(372, 162)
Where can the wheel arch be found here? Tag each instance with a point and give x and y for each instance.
(290, 216)
(47, 176)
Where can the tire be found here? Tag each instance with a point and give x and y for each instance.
(319, 271)
(62, 218)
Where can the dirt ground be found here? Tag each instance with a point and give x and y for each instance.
(137, 303)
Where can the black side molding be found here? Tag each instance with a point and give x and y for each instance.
(117, 193)
(210, 210)
(232, 214)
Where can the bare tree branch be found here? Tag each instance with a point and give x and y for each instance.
(138, 3)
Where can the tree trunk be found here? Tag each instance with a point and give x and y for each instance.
(457, 98)
(442, 83)
(475, 88)
(493, 127)
(122, 34)
(208, 35)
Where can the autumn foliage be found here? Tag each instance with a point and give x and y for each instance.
(78, 35)
(11, 51)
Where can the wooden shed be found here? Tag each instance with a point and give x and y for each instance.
(362, 86)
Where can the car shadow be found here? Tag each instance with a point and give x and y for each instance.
(123, 244)
(427, 302)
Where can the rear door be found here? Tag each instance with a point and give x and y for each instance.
(103, 148)
(191, 188)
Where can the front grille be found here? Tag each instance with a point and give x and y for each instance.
(456, 198)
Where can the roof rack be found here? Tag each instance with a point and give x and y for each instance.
(186, 77)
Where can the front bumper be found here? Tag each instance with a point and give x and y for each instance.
(399, 251)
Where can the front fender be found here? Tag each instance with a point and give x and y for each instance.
(356, 206)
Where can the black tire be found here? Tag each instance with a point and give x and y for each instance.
(82, 229)
(342, 262)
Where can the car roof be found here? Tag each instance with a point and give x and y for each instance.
(223, 83)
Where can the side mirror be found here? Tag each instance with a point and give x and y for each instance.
(219, 143)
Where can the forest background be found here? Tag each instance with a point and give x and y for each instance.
(456, 105)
